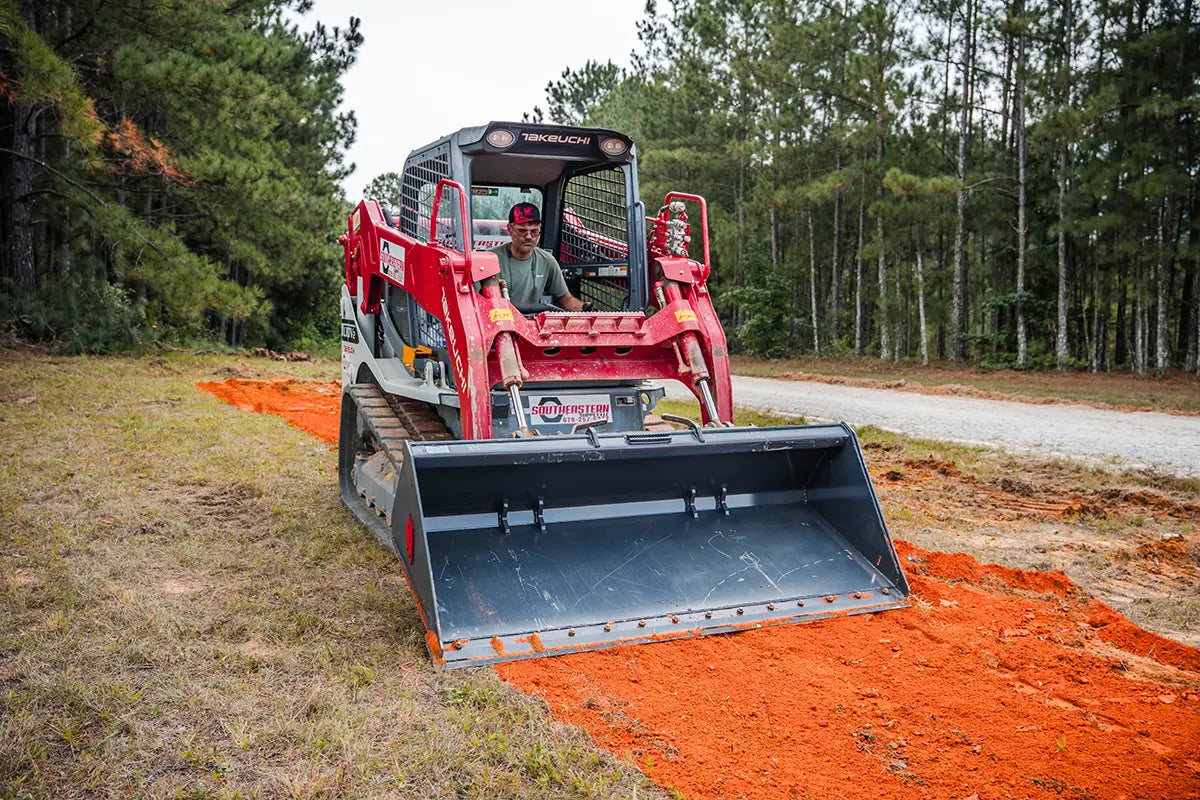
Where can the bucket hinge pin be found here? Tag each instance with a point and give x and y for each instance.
(504, 526)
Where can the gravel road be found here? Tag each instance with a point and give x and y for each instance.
(1124, 439)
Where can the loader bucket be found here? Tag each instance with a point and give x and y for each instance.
(516, 548)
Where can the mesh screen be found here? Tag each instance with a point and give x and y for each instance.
(417, 192)
(594, 223)
(606, 294)
(595, 233)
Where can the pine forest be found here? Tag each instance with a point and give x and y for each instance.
(1008, 183)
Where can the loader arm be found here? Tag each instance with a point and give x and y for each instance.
(583, 346)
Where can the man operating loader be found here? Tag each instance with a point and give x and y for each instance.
(531, 272)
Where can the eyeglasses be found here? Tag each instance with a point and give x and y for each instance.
(534, 231)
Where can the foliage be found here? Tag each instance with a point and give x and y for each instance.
(199, 173)
(784, 108)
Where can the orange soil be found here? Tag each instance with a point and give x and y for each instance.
(311, 407)
(1000, 683)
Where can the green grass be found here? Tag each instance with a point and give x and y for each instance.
(186, 610)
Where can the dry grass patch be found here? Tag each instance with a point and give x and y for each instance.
(186, 610)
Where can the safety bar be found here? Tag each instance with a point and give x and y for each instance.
(462, 218)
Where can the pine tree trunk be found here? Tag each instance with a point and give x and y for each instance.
(958, 344)
(774, 241)
(18, 253)
(1139, 325)
(1022, 202)
(858, 281)
(921, 297)
(885, 339)
(812, 282)
(1121, 344)
(1162, 348)
(835, 287)
(1191, 322)
(1060, 348)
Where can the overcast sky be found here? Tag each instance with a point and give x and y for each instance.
(428, 68)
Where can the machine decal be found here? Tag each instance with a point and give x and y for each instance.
(555, 138)
(501, 314)
(356, 220)
(575, 409)
(348, 355)
(391, 260)
(349, 331)
(487, 243)
(685, 315)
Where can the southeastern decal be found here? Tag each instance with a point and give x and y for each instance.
(391, 260)
(573, 410)
(685, 315)
(349, 331)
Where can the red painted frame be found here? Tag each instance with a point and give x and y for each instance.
(583, 346)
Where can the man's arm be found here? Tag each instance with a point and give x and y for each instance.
(569, 302)
(556, 287)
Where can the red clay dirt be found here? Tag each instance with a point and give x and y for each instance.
(311, 407)
(999, 683)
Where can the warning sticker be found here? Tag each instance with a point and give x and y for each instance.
(501, 314)
(391, 260)
(685, 315)
(357, 220)
(570, 410)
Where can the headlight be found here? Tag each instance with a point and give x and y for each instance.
(613, 146)
(500, 138)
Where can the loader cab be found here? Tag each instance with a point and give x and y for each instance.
(584, 180)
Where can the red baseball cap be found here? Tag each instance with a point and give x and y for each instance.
(524, 212)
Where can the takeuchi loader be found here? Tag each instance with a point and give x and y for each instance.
(507, 454)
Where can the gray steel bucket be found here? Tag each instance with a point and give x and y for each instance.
(528, 547)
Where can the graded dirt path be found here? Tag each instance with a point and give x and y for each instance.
(1165, 442)
(997, 683)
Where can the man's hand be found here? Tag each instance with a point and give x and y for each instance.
(569, 302)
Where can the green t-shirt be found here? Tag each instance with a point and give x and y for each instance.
(530, 280)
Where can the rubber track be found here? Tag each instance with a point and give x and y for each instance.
(393, 420)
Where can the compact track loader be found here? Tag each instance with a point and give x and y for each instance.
(507, 454)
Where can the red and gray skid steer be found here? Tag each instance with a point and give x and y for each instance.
(507, 455)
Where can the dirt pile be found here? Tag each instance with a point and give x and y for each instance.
(311, 407)
(997, 683)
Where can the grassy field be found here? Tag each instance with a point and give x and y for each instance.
(1176, 391)
(186, 609)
